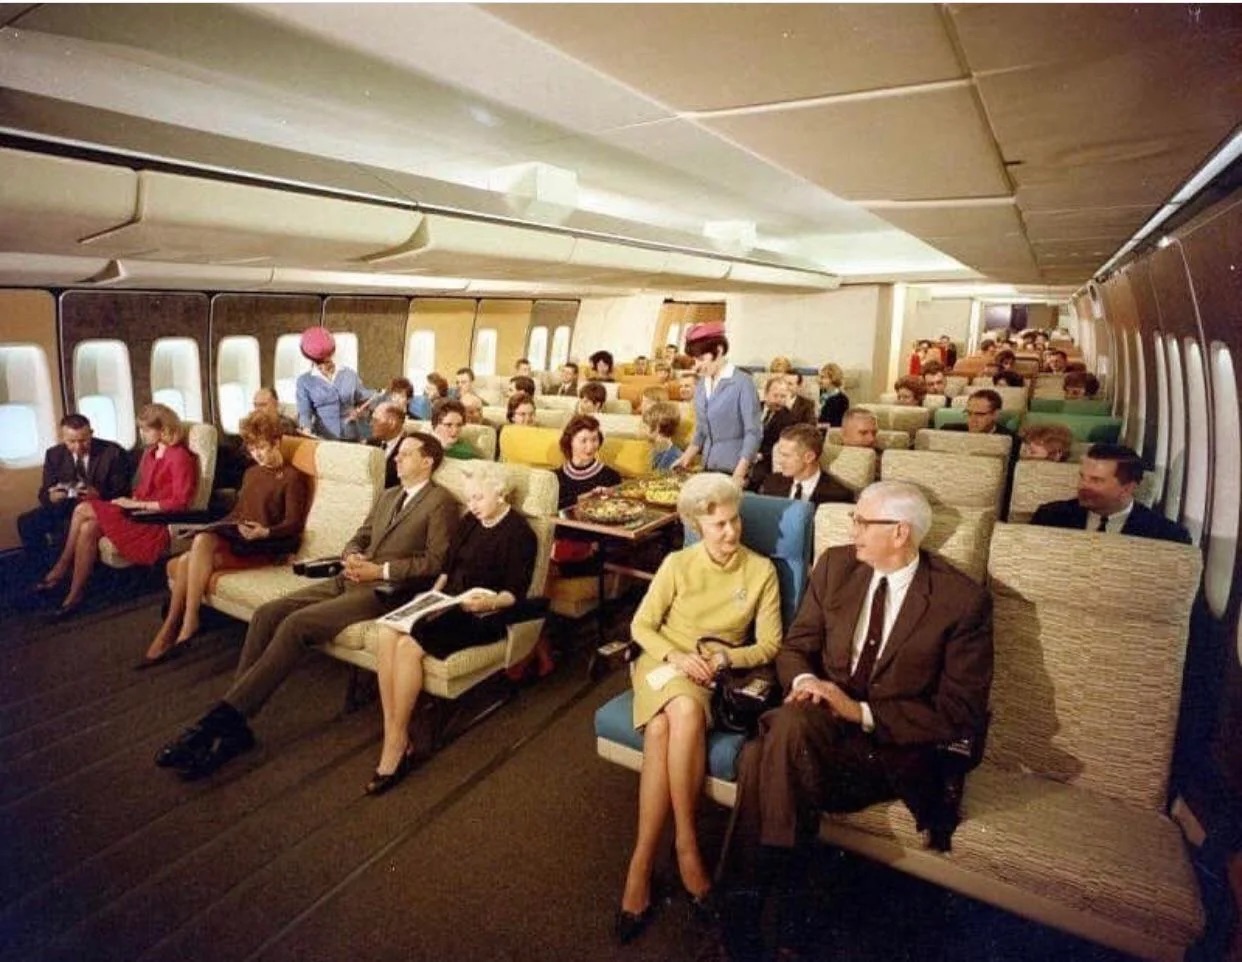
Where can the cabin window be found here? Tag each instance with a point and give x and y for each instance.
(674, 335)
(237, 378)
(1162, 415)
(560, 347)
(27, 418)
(1195, 513)
(1177, 432)
(1226, 483)
(346, 349)
(420, 357)
(104, 389)
(484, 360)
(175, 379)
(288, 366)
(1138, 423)
(537, 348)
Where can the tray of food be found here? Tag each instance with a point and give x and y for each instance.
(661, 490)
(610, 510)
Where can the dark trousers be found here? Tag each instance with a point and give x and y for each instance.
(282, 630)
(43, 530)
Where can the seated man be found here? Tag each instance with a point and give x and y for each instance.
(1055, 362)
(463, 382)
(520, 383)
(859, 428)
(890, 654)
(265, 400)
(591, 398)
(472, 408)
(776, 417)
(1107, 480)
(81, 466)
(403, 542)
(1079, 386)
(569, 380)
(982, 410)
(934, 382)
(447, 419)
(521, 368)
(802, 408)
(1046, 442)
(387, 429)
(797, 472)
(642, 366)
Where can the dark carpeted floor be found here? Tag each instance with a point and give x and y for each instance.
(510, 843)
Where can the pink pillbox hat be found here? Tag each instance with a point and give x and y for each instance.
(696, 332)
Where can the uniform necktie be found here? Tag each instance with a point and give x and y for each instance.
(1103, 525)
(860, 679)
(797, 491)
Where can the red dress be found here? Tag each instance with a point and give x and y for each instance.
(171, 480)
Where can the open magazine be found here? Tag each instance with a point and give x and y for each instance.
(226, 529)
(425, 604)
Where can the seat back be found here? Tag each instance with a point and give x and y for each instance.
(957, 415)
(931, 402)
(884, 440)
(1090, 633)
(958, 480)
(892, 417)
(853, 467)
(621, 425)
(1038, 482)
(955, 385)
(782, 530)
(348, 479)
(203, 440)
(540, 448)
(1095, 407)
(1012, 398)
(481, 437)
(963, 442)
(1084, 427)
(958, 535)
(557, 402)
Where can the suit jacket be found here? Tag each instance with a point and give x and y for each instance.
(761, 467)
(931, 681)
(415, 543)
(1142, 522)
(567, 390)
(107, 470)
(827, 489)
(803, 410)
(390, 462)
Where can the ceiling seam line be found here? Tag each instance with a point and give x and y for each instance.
(826, 100)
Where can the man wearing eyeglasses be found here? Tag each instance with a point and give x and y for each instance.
(890, 655)
(982, 413)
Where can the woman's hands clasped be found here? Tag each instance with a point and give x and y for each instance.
(699, 669)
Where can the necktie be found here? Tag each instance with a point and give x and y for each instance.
(401, 503)
(797, 491)
(1103, 525)
(860, 679)
(79, 469)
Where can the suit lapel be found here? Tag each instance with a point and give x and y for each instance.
(917, 599)
(846, 612)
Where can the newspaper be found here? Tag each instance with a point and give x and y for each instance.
(427, 603)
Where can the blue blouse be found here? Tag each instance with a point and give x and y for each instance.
(323, 405)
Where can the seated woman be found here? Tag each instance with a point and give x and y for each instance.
(583, 472)
(492, 548)
(520, 409)
(718, 588)
(910, 391)
(833, 401)
(271, 509)
(167, 479)
(1046, 442)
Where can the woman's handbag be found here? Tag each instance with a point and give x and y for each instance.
(740, 696)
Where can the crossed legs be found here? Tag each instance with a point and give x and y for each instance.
(674, 760)
(400, 672)
(79, 554)
(190, 573)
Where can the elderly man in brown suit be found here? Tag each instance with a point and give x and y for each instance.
(890, 654)
(403, 543)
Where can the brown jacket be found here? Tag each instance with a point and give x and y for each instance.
(416, 543)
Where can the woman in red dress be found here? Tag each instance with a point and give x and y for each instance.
(167, 479)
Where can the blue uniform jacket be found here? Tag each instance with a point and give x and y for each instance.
(323, 406)
(729, 426)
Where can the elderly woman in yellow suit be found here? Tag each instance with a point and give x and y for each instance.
(717, 588)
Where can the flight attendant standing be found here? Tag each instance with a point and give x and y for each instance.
(328, 396)
(728, 422)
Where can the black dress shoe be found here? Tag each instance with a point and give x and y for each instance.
(189, 744)
(224, 748)
(628, 926)
(379, 784)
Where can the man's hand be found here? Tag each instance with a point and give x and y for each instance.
(56, 494)
(360, 571)
(739, 475)
(820, 692)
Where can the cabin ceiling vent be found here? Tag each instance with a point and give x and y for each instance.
(538, 192)
(733, 236)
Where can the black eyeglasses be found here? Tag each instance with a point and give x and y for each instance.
(868, 522)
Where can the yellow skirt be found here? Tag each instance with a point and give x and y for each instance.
(648, 702)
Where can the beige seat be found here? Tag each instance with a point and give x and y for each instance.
(1038, 482)
(534, 492)
(932, 402)
(853, 467)
(963, 442)
(556, 402)
(481, 437)
(1012, 398)
(959, 535)
(203, 440)
(884, 440)
(621, 425)
(955, 385)
(552, 417)
(1065, 821)
(958, 480)
(892, 417)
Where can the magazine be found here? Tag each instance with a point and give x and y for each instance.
(225, 529)
(425, 604)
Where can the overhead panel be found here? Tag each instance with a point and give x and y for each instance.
(931, 223)
(708, 56)
(303, 279)
(170, 275)
(1114, 223)
(48, 204)
(195, 219)
(468, 248)
(747, 276)
(861, 148)
(603, 262)
(47, 270)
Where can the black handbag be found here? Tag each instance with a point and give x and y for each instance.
(246, 548)
(740, 695)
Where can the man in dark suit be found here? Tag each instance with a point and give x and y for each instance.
(801, 408)
(1107, 479)
(775, 418)
(387, 429)
(798, 474)
(82, 465)
(403, 542)
(982, 412)
(569, 380)
(889, 655)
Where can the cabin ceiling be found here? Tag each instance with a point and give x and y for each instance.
(1023, 144)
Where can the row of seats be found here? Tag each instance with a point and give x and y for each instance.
(1065, 820)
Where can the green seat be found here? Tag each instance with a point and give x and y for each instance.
(1089, 406)
(943, 416)
(1084, 427)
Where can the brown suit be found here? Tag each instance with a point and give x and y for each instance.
(930, 684)
(414, 545)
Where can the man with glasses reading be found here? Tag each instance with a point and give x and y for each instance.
(890, 654)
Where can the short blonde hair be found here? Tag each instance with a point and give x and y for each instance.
(491, 475)
(165, 420)
(832, 373)
(781, 365)
(663, 417)
(704, 493)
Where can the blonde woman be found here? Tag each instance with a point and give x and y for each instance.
(167, 479)
(717, 588)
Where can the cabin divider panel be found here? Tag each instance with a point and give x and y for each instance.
(552, 315)
(451, 321)
(28, 320)
(137, 319)
(510, 319)
(379, 323)
(264, 317)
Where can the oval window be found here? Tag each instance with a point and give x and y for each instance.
(1226, 483)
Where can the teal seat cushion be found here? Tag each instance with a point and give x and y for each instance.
(1089, 406)
(614, 721)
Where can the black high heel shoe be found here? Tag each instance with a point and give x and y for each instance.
(380, 783)
(706, 907)
(627, 926)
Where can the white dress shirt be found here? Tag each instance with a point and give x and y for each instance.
(808, 486)
(1116, 520)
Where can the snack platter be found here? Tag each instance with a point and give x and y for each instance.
(661, 491)
(610, 510)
